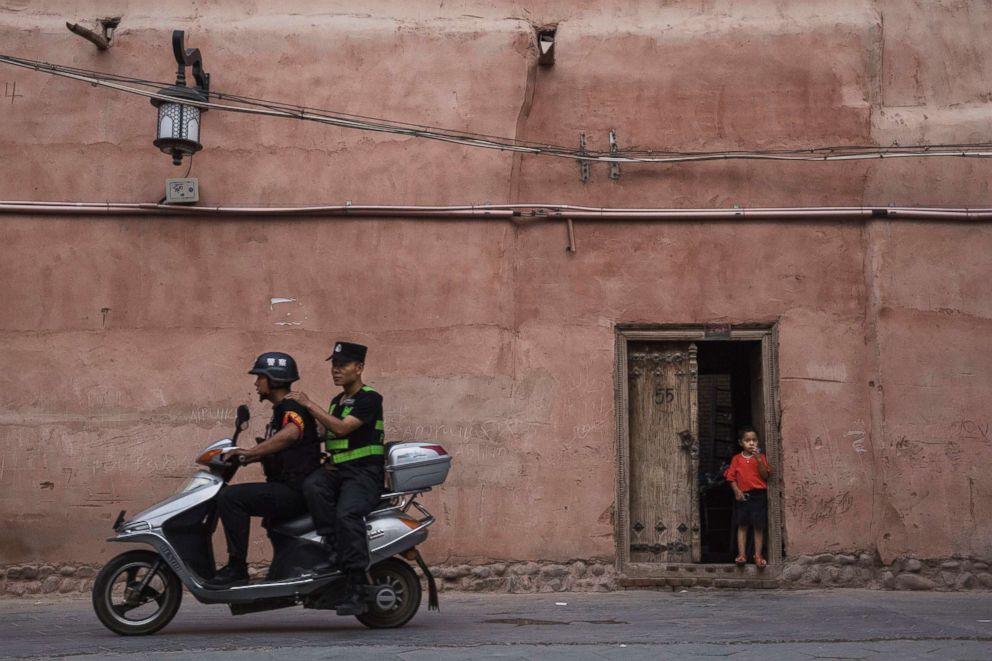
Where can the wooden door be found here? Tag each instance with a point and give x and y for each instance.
(664, 452)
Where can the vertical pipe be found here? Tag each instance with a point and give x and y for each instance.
(571, 237)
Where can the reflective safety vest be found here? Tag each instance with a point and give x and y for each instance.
(344, 449)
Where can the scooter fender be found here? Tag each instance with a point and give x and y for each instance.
(155, 540)
(388, 535)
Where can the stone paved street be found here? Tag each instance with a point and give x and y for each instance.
(839, 624)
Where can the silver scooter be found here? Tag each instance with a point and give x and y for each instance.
(139, 592)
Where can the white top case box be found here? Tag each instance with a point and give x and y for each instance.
(412, 466)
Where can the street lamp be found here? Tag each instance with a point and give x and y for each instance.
(178, 130)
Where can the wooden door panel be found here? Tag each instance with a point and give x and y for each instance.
(664, 452)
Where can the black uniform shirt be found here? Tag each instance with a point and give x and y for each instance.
(366, 405)
(295, 462)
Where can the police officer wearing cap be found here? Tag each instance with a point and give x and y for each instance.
(343, 492)
(289, 452)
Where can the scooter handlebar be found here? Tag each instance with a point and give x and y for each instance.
(230, 462)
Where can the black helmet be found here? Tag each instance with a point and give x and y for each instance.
(278, 367)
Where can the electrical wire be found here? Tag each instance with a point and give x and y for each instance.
(255, 106)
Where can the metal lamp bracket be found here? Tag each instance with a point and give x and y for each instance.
(189, 57)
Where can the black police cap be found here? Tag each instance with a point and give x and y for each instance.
(346, 352)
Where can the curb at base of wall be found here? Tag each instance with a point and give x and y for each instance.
(862, 570)
(823, 570)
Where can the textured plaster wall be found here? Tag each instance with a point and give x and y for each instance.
(126, 340)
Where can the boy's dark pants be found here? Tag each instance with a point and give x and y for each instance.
(752, 512)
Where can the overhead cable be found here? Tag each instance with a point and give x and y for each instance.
(254, 106)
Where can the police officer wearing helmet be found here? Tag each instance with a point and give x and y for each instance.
(342, 493)
(289, 452)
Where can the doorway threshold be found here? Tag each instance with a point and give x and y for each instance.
(651, 575)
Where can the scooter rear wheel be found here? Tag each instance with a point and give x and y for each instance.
(397, 598)
(125, 611)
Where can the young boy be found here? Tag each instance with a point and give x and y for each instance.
(748, 476)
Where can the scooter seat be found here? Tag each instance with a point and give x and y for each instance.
(301, 525)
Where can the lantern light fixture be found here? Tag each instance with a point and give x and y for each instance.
(178, 129)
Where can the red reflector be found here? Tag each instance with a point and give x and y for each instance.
(436, 448)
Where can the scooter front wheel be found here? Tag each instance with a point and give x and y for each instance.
(136, 593)
(397, 595)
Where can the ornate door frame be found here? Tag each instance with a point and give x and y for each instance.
(767, 334)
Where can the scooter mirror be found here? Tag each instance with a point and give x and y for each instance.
(241, 421)
(243, 416)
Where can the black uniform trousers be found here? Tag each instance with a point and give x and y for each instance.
(238, 503)
(339, 500)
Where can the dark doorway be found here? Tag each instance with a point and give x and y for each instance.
(730, 397)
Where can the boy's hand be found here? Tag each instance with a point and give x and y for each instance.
(739, 495)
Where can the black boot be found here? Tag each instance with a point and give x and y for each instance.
(231, 574)
(329, 564)
(354, 602)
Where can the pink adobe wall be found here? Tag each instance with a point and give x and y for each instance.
(488, 336)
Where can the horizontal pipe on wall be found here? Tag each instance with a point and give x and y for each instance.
(140, 209)
(518, 212)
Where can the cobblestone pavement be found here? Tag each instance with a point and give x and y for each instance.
(636, 624)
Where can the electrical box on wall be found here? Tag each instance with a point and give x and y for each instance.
(182, 191)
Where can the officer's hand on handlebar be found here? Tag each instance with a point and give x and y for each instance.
(236, 456)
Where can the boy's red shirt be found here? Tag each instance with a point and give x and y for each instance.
(745, 472)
